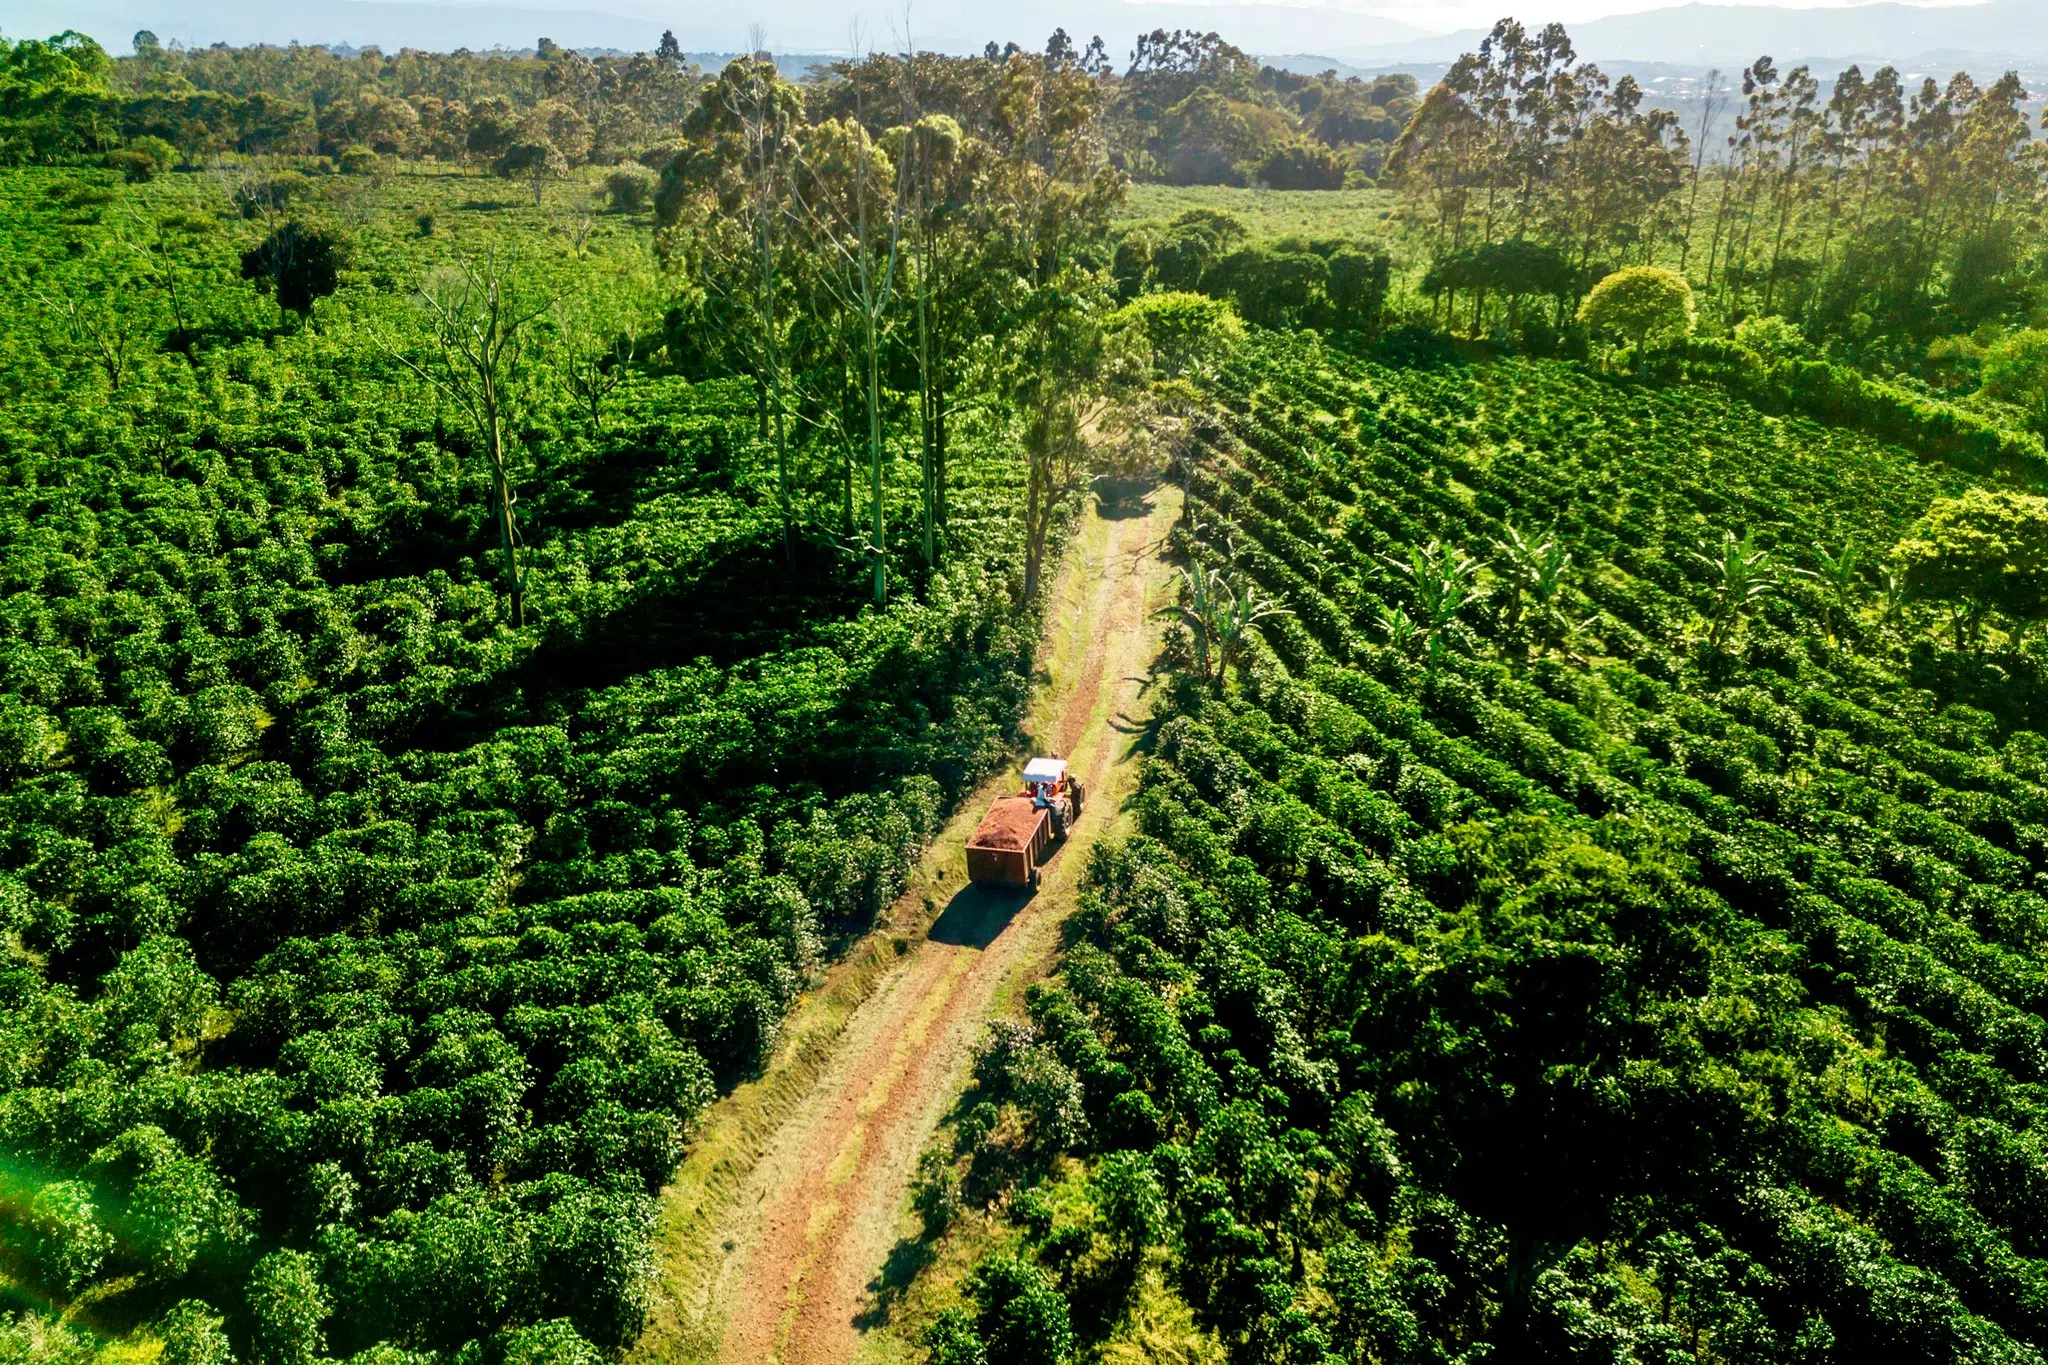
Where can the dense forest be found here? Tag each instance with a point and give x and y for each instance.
(509, 559)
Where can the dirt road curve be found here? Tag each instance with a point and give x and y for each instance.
(789, 1201)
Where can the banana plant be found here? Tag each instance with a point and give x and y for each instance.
(1533, 572)
(1220, 615)
(1399, 627)
(1841, 573)
(1553, 627)
(1442, 583)
(1894, 599)
(1741, 577)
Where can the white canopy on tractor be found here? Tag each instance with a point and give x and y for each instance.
(1046, 770)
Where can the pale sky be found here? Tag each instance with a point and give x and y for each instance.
(1332, 27)
(1445, 15)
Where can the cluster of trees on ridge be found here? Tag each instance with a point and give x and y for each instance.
(1878, 222)
(1189, 109)
(66, 98)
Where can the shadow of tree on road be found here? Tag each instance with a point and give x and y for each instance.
(907, 1260)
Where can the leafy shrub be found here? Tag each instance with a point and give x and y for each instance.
(143, 159)
(1772, 337)
(1184, 331)
(1643, 303)
(1828, 392)
(630, 189)
(298, 263)
(133, 167)
(1986, 551)
(2016, 372)
(1020, 1310)
(1301, 164)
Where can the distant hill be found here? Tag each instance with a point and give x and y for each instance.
(1690, 36)
(1732, 35)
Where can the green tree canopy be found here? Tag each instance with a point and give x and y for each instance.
(2016, 372)
(301, 263)
(1184, 330)
(1984, 551)
(531, 159)
(1644, 303)
(55, 102)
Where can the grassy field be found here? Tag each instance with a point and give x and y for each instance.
(1362, 214)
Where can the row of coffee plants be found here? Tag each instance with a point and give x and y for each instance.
(1589, 926)
(368, 955)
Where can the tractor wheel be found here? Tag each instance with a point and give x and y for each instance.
(1033, 881)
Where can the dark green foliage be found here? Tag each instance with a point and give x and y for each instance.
(194, 1335)
(630, 189)
(1514, 271)
(287, 1307)
(1021, 1313)
(299, 263)
(63, 99)
(1019, 1318)
(1357, 287)
(271, 194)
(132, 166)
(1985, 551)
(56, 103)
(1600, 993)
(1837, 393)
(374, 956)
(1300, 164)
(1290, 282)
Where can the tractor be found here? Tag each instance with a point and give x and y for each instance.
(1018, 831)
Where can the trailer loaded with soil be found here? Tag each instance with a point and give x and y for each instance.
(1019, 831)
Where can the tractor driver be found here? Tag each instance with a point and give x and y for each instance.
(1046, 796)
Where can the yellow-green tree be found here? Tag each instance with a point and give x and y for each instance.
(1985, 551)
(1644, 303)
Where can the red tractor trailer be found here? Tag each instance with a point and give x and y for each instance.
(1019, 831)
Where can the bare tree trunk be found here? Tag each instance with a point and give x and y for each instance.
(1037, 523)
(939, 443)
(927, 419)
(880, 547)
(502, 495)
(1699, 162)
(477, 325)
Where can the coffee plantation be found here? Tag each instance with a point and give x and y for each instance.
(509, 563)
(1622, 974)
(373, 957)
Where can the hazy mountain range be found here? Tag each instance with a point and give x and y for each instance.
(1699, 35)
(1687, 35)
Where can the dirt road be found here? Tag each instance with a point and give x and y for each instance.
(788, 1203)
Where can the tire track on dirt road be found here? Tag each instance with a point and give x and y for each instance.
(786, 1207)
